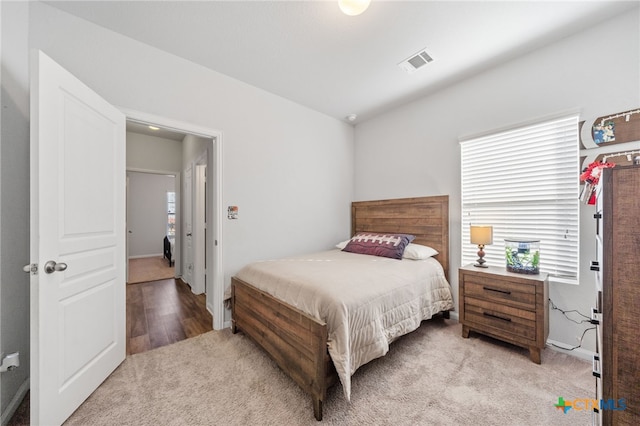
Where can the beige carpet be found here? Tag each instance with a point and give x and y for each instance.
(430, 377)
(147, 269)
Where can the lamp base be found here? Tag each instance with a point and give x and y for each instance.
(480, 263)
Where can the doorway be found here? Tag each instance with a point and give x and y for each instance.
(212, 261)
(150, 225)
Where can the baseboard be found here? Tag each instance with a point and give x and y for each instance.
(144, 256)
(15, 402)
(578, 352)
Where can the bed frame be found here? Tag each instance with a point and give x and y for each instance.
(296, 341)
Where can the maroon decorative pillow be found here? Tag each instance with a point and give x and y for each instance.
(385, 245)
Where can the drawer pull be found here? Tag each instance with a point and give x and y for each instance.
(496, 316)
(496, 290)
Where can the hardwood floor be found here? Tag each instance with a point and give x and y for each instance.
(163, 312)
(158, 313)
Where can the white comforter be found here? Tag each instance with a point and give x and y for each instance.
(366, 301)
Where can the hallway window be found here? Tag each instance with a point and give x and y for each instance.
(171, 214)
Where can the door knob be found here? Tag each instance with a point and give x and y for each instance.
(31, 268)
(51, 266)
(189, 234)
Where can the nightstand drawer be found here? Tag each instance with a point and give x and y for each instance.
(520, 323)
(501, 291)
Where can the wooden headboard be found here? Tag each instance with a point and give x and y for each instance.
(425, 217)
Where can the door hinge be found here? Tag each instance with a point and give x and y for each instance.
(31, 268)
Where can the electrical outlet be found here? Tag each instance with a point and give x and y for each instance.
(10, 362)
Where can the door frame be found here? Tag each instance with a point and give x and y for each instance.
(215, 283)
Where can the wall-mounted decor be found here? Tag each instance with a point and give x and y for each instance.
(611, 129)
(590, 177)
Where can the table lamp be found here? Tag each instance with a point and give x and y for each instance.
(481, 235)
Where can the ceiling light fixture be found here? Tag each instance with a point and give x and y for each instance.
(351, 117)
(154, 128)
(353, 7)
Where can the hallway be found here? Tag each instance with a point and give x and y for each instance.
(163, 312)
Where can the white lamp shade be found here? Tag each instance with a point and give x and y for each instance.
(481, 234)
(353, 7)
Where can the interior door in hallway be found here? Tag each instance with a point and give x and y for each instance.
(198, 285)
(187, 197)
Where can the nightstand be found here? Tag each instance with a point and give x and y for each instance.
(510, 307)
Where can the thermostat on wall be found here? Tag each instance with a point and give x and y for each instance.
(232, 212)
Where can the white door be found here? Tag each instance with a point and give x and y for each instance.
(187, 191)
(128, 234)
(77, 221)
(199, 231)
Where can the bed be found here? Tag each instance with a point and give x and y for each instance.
(169, 243)
(306, 336)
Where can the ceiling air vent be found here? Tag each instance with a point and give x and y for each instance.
(416, 61)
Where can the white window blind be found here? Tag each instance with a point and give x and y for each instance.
(525, 183)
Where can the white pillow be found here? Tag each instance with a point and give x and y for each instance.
(342, 244)
(418, 252)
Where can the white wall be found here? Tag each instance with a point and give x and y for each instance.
(14, 201)
(147, 212)
(596, 72)
(146, 152)
(192, 147)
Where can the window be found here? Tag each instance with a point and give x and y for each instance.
(525, 183)
(171, 214)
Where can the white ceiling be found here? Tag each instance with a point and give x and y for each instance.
(311, 53)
